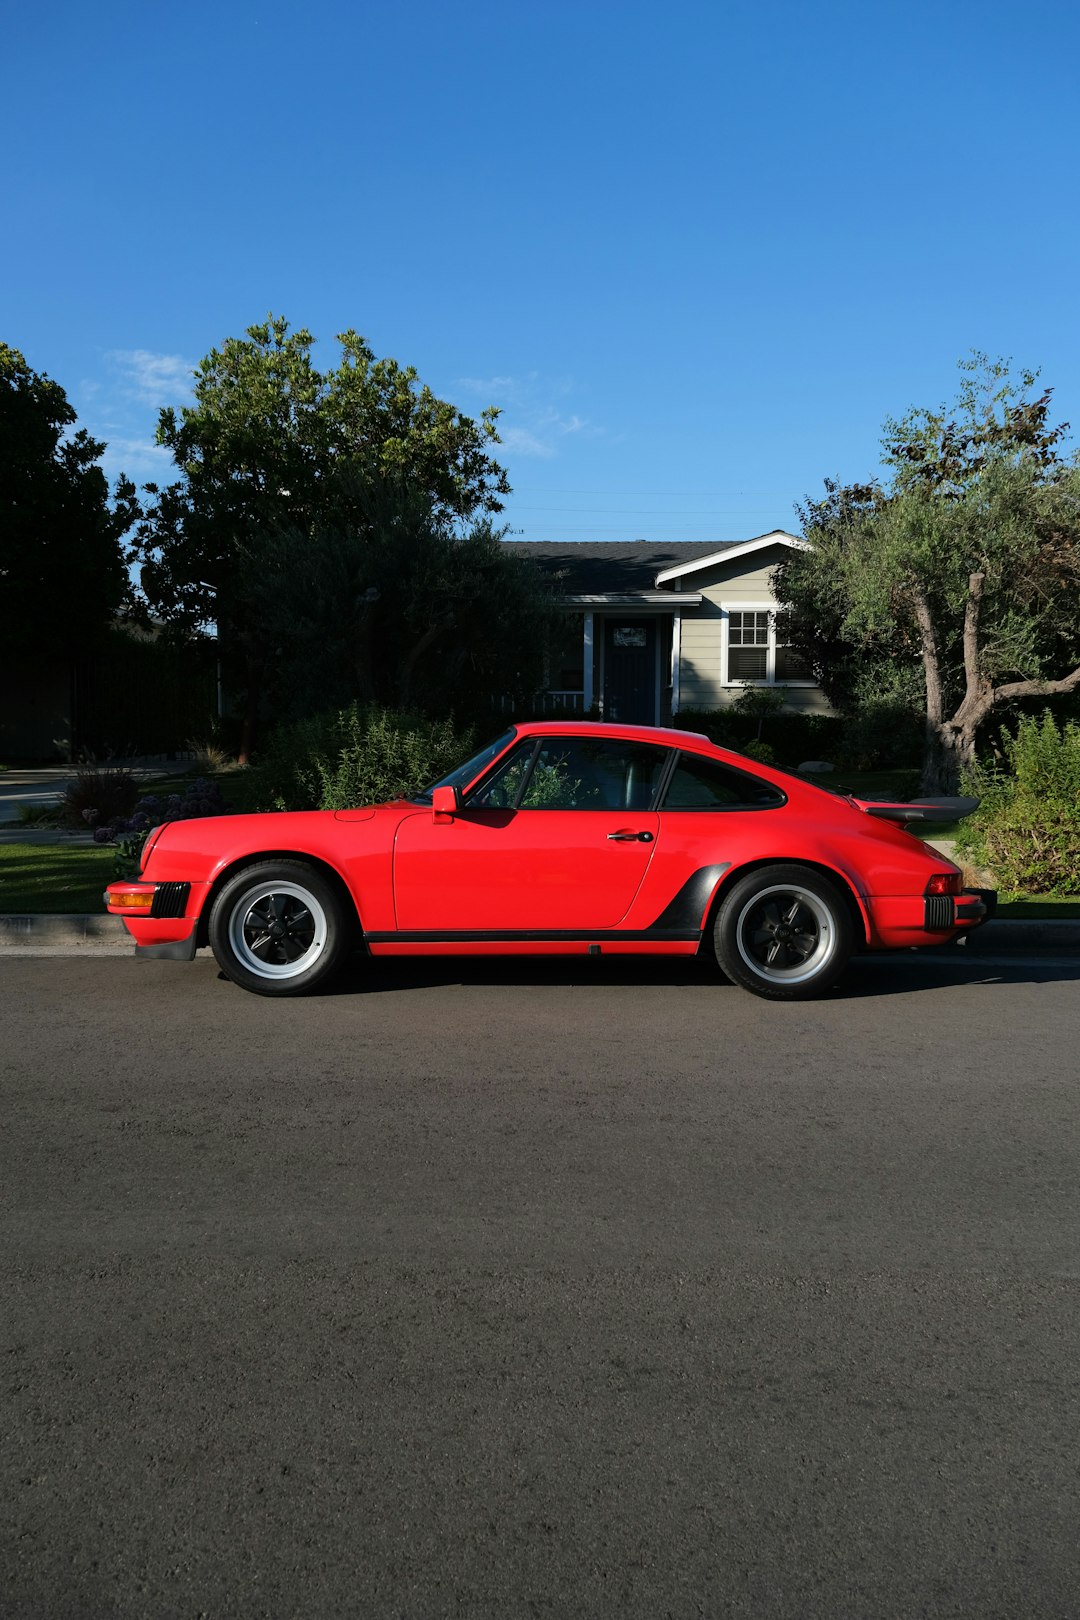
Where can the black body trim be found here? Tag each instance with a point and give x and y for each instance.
(171, 950)
(170, 900)
(938, 912)
(513, 936)
(687, 907)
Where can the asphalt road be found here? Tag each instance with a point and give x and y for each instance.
(540, 1289)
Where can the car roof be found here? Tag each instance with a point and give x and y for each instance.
(670, 736)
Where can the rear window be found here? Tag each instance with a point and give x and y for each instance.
(705, 784)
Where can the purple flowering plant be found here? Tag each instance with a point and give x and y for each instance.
(129, 833)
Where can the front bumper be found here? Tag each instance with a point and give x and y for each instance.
(172, 950)
(162, 918)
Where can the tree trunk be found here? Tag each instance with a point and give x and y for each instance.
(409, 662)
(938, 766)
(250, 724)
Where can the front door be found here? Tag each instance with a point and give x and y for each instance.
(558, 840)
(630, 671)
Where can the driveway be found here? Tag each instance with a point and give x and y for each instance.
(540, 1288)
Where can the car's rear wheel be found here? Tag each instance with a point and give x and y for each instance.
(278, 928)
(784, 932)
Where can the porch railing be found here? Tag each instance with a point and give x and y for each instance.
(553, 703)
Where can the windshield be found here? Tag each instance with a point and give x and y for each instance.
(464, 774)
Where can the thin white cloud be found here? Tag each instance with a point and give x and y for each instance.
(140, 459)
(530, 423)
(153, 379)
(520, 442)
(494, 388)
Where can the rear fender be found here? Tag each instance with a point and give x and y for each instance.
(855, 902)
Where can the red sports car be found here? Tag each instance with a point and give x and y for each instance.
(559, 839)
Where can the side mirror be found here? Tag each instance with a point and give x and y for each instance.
(445, 803)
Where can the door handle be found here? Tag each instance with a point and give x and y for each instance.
(631, 837)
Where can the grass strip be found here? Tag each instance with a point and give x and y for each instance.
(53, 877)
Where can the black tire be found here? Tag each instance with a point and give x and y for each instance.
(279, 928)
(784, 932)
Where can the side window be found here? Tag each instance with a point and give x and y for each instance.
(500, 791)
(584, 773)
(705, 784)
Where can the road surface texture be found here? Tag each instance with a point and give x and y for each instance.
(504, 1288)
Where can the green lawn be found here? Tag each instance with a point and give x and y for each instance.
(54, 877)
(1041, 907)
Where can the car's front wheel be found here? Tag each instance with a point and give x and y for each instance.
(784, 932)
(278, 928)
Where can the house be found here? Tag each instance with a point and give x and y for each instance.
(651, 629)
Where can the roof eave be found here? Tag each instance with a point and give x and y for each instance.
(779, 537)
(666, 599)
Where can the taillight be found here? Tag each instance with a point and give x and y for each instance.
(944, 883)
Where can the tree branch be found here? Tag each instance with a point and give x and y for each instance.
(972, 609)
(1023, 689)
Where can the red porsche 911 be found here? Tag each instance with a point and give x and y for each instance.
(559, 838)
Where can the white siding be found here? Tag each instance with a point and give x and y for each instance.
(702, 637)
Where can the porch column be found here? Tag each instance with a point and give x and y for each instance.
(676, 655)
(587, 700)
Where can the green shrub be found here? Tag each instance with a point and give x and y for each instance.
(1027, 830)
(359, 755)
(793, 737)
(880, 735)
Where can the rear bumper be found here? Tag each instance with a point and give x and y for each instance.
(904, 920)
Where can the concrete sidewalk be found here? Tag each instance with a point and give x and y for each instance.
(67, 934)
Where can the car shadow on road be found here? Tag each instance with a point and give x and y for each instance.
(884, 974)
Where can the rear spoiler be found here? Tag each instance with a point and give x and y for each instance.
(920, 809)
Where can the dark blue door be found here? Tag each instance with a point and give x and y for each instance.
(630, 671)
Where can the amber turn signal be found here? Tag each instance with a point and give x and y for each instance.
(129, 899)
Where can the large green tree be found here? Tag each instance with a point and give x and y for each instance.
(62, 573)
(272, 446)
(964, 562)
(399, 605)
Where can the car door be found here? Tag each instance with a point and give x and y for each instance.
(556, 841)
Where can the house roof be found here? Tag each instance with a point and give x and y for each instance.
(627, 567)
(604, 567)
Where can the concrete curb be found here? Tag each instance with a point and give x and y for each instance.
(72, 931)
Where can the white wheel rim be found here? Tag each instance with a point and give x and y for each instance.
(277, 930)
(785, 934)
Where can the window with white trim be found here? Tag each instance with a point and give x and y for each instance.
(757, 650)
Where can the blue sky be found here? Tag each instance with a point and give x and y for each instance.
(696, 252)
